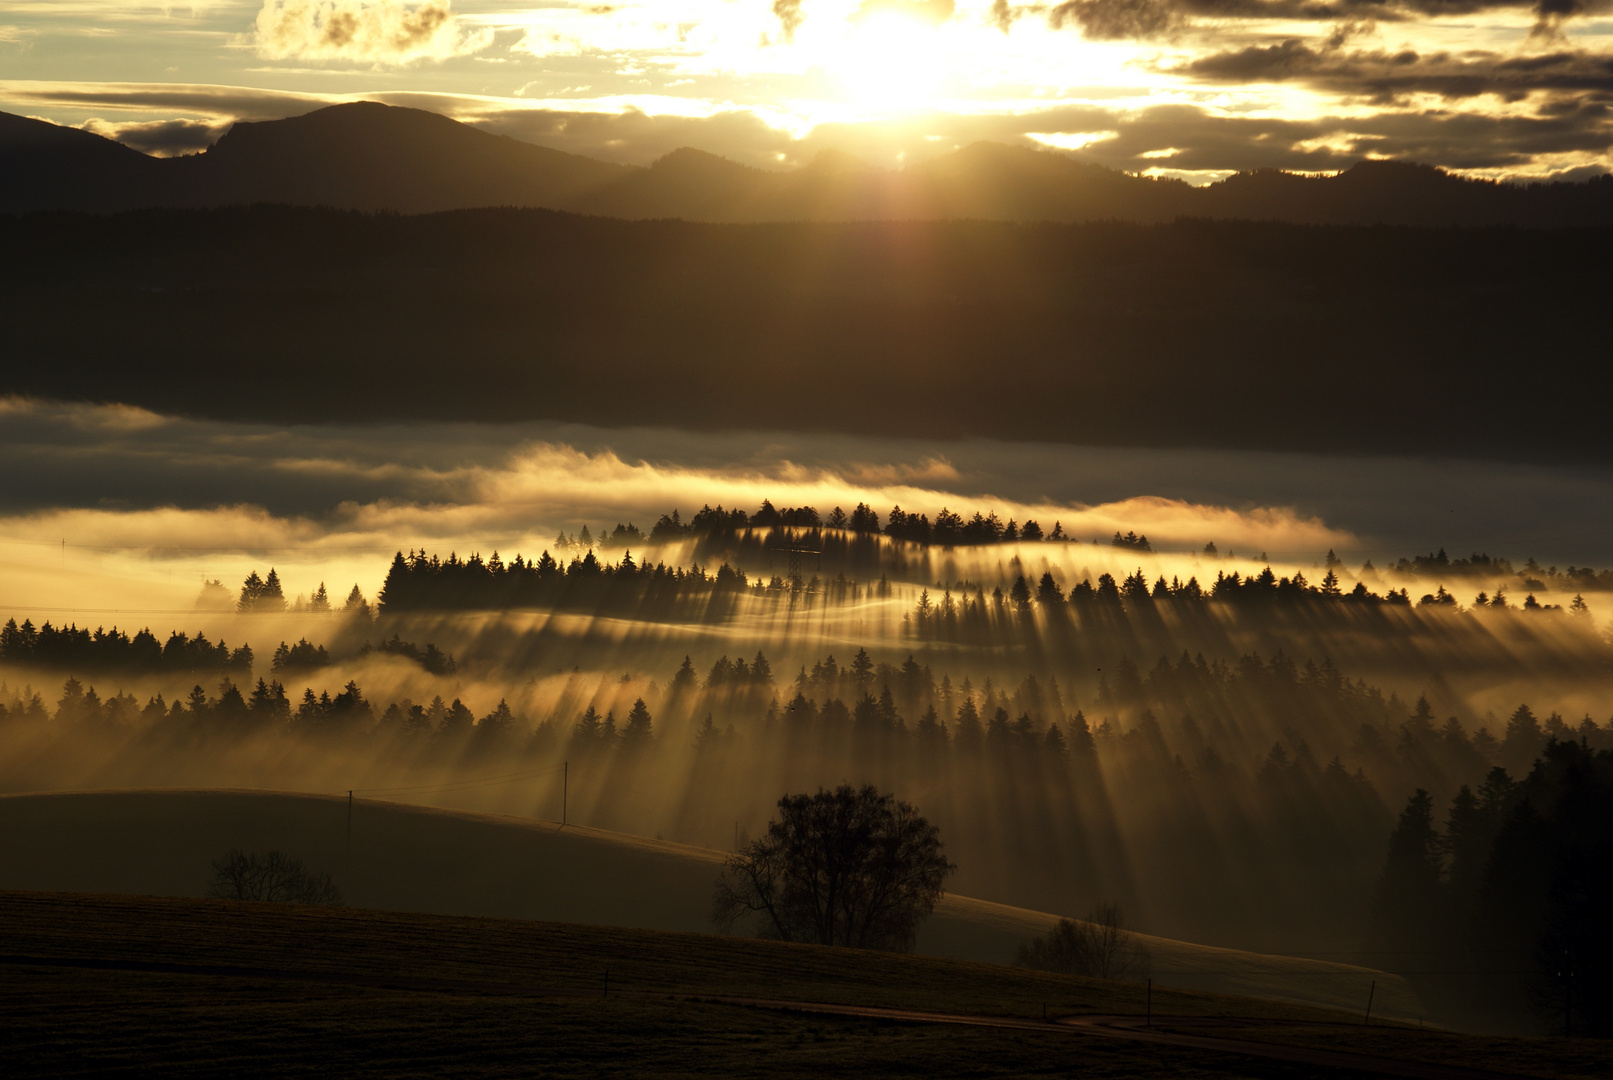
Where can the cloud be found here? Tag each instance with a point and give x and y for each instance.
(117, 477)
(1118, 20)
(1205, 142)
(376, 31)
(788, 13)
(160, 138)
(1386, 76)
(933, 12)
(1143, 20)
(208, 485)
(225, 102)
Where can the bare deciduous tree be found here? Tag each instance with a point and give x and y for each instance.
(1099, 946)
(844, 867)
(275, 877)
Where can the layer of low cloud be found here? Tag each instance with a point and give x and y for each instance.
(335, 487)
(117, 478)
(160, 138)
(375, 31)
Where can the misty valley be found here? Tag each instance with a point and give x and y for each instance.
(1218, 746)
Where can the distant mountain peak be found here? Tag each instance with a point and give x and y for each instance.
(686, 158)
(368, 155)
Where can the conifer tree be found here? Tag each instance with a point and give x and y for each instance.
(637, 733)
(272, 598)
(1406, 907)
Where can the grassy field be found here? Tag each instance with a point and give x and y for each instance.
(353, 941)
(491, 1016)
(413, 858)
(1563, 1059)
(64, 1021)
(74, 1024)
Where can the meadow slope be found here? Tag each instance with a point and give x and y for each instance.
(423, 859)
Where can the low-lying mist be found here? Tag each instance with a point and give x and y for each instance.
(1204, 691)
(1225, 760)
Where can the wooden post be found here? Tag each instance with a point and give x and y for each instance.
(565, 790)
(1568, 988)
(1373, 989)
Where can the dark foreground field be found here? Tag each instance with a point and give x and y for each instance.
(97, 984)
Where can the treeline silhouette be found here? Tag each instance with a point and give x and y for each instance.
(113, 650)
(1501, 918)
(417, 581)
(266, 596)
(1533, 576)
(421, 582)
(1142, 334)
(973, 616)
(949, 529)
(432, 659)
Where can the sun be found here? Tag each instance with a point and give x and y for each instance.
(889, 62)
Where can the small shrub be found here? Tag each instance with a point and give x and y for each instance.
(1099, 946)
(275, 877)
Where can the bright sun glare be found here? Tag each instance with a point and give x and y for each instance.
(889, 61)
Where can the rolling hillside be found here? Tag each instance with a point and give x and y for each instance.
(411, 858)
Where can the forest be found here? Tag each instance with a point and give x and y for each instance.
(1163, 792)
(1120, 335)
(1503, 912)
(1219, 745)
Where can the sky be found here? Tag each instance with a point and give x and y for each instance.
(1194, 89)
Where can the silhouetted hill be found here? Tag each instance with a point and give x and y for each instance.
(1233, 334)
(368, 156)
(44, 165)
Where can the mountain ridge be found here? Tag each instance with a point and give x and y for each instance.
(375, 157)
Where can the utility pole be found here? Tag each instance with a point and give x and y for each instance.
(1150, 1002)
(565, 790)
(349, 821)
(1568, 1001)
(1373, 989)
